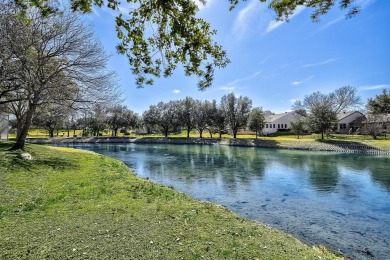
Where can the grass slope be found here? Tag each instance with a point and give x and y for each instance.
(74, 204)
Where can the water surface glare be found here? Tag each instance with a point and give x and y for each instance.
(338, 200)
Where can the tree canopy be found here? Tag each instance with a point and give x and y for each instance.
(157, 36)
(380, 104)
(256, 120)
(53, 58)
(320, 110)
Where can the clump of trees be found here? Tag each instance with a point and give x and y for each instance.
(378, 119)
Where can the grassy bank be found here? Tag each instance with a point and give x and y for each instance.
(74, 204)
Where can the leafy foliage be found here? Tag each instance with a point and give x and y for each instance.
(285, 8)
(256, 120)
(320, 110)
(158, 35)
(52, 58)
(380, 104)
(236, 111)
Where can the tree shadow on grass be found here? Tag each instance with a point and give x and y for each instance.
(53, 163)
(12, 158)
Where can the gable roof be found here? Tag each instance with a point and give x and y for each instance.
(274, 117)
(342, 115)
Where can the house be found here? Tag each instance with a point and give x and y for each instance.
(279, 122)
(348, 122)
(4, 126)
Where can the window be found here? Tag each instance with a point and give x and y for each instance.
(278, 126)
(274, 125)
(343, 126)
(266, 125)
(285, 126)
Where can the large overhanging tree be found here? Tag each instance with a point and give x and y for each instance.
(158, 35)
(57, 60)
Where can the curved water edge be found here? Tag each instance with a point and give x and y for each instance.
(339, 200)
(328, 145)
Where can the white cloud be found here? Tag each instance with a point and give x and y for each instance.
(176, 91)
(246, 18)
(364, 3)
(334, 21)
(233, 84)
(319, 63)
(272, 25)
(227, 88)
(297, 83)
(373, 87)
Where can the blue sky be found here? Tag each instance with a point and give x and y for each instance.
(273, 63)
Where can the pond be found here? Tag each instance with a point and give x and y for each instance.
(341, 201)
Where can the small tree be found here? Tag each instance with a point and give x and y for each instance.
(51, 117)
(373, 125)
(236, 111)
(256, 120)
(187, 112)
(120, 117)
(298, 127)
(204, 117)
(163, 116)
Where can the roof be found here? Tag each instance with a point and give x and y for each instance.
(379, 117)
(274, 117)
(342, 115)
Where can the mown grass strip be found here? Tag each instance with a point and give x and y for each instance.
(74, 204)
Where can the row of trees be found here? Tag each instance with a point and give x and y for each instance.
(92, 121)
(317, 112)
(232, 112)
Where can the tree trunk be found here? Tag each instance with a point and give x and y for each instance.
(211, 134)
(188, 132)
(68, 131)
(115, 131)
(220, 134)
(322, 135)
(235, 134)
(200, 134)
(21, 139)
(51, 133)
(256, 134)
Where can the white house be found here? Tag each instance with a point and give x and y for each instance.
(4, 126)
(346, 122)
(279, 122)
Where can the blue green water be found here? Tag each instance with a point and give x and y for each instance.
(341, 201)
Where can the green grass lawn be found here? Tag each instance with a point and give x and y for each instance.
(75, 204)
(278, 137)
